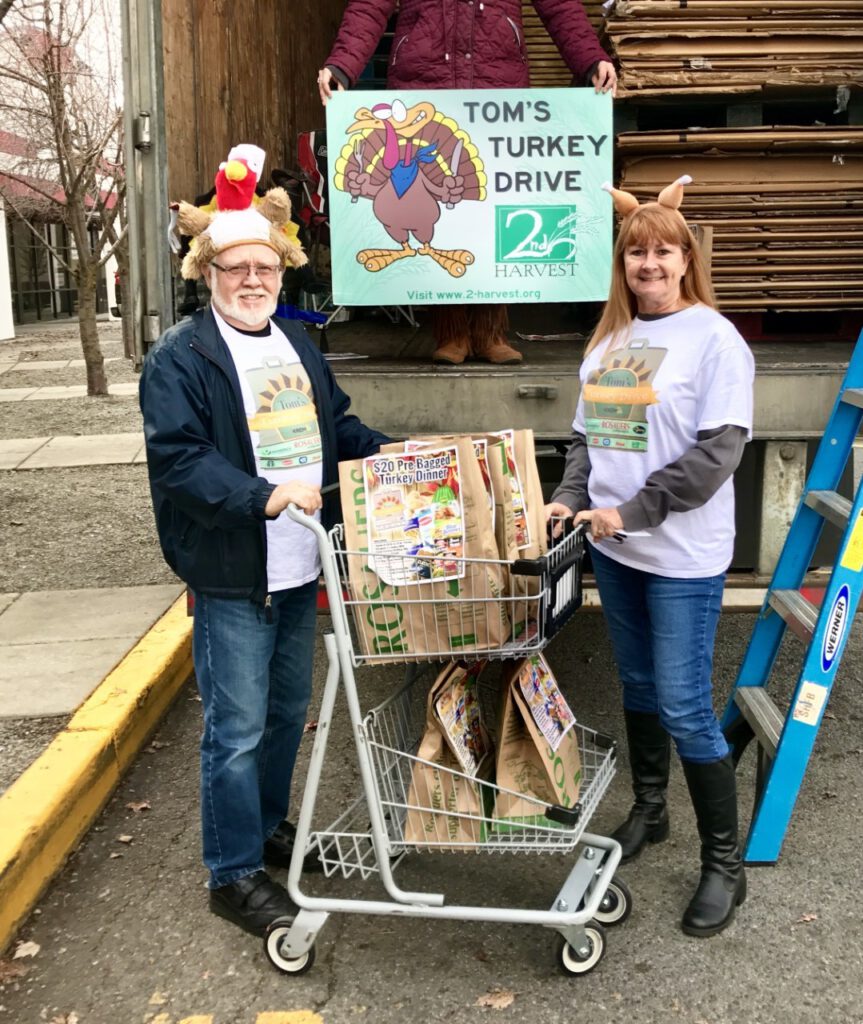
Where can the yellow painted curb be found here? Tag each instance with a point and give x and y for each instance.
(46, 811)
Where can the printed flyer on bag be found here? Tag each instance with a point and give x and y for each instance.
(458, 710)
(480, 448)
(549, 709)
(453, 196)
(416, 516)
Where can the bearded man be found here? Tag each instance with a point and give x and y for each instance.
(242, 417)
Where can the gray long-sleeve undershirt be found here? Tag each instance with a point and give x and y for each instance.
(687, 483)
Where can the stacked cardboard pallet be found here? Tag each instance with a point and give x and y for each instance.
(699, 46)
(547, 67)
(785, 205)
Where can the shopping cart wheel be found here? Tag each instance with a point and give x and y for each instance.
(616, 905)
(276, 934)
(582, 961)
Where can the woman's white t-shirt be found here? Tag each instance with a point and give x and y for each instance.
(283, 424)
(641, 407)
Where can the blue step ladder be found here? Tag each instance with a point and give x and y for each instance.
(785, 741)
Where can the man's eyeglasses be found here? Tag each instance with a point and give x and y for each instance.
(264, 271)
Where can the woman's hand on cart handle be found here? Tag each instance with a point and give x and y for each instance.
(557, 510)
(305, 496)
(604, 522)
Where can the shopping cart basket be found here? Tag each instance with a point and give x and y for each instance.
(370, 838)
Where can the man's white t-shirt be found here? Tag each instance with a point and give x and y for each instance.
(283, 423)
(641, 407)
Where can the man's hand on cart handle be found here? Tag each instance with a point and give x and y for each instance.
(605, 523)
(557, 510)
(304, 496)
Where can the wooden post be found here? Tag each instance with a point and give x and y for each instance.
(236, 73)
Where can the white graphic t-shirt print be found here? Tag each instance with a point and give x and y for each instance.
(617, 395)
(283, 425)
(642, 406)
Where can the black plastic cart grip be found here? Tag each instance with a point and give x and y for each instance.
(564, 815)
(529, 566)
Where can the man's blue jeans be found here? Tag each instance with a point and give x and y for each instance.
(662, 632)
(255, 680)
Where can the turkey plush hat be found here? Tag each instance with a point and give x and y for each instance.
(240, 217)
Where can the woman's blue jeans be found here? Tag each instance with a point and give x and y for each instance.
(662, 632)
(255, 680)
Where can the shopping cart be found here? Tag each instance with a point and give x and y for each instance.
(370, 838)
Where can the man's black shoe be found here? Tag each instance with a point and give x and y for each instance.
(279, 848)
(252, 902)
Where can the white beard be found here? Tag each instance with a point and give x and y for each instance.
(233, 309)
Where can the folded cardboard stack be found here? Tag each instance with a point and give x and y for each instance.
(699, 46)
(785, 205)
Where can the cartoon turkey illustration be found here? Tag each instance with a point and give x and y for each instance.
(410, 162)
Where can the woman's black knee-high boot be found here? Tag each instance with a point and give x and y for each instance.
(722, 888)
(649, 755)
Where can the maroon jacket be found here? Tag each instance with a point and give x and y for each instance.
(461, 44)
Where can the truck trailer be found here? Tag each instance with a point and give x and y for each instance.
(202, 76)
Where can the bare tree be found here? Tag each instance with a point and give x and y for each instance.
(60, 94)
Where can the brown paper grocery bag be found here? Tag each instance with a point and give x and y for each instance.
(418, 620)
(525, 454)
(531, 760)
(526, 589)
(444, 806)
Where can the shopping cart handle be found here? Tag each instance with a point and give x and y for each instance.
(529, 566)
(539, 566)
(564, 815)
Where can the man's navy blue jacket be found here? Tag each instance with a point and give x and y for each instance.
(208, 498)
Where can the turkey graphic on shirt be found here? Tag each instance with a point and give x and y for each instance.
(286, 419)
(617, 395)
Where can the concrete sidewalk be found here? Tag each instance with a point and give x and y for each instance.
(124, 653)
(32, 394)
(56, 647)
(11, 365)
(78, 450)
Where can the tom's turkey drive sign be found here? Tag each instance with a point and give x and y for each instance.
(457, 196)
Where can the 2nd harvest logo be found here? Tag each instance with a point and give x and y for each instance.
(542, 235)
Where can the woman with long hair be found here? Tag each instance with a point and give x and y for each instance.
(664, 413)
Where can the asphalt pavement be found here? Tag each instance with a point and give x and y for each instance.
(124, 935)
